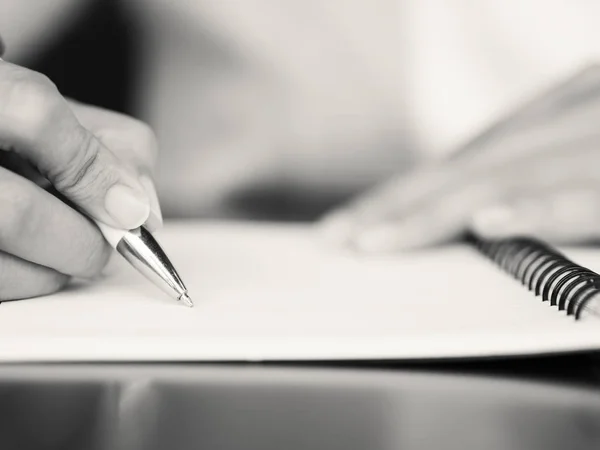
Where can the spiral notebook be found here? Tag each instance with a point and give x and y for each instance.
(277, 292)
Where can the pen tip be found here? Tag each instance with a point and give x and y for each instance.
(186, 300)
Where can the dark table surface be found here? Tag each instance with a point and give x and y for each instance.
(528, 403)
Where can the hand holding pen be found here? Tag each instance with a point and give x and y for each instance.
(99, 165)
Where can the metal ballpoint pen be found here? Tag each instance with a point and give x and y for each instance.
(141, 250)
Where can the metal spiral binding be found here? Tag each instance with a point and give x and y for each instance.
(544, 271)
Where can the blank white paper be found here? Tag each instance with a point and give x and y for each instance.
(278, 292)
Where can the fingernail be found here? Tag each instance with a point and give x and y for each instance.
(407, 234)
(127, 207)
(382, 238)
(155, 219)
(495, 220)
(391, 237)
(337, 228)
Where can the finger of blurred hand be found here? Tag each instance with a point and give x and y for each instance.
(570, 216)
(22, 279)
(435, 221)
(37, 227)
(434, 214)
(132, 141)
(438, 204)
(37, 123)
(564, 136)
(385, 204)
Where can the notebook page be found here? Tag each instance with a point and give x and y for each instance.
(276, 292)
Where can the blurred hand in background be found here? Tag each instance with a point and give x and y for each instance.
(534, 173)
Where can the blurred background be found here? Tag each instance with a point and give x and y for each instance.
(275, 109)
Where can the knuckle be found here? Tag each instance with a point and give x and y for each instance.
(16, 211)
(32, 100)
(83, 174)
(40, 83)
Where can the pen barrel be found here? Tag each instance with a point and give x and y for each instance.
(143, 252)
